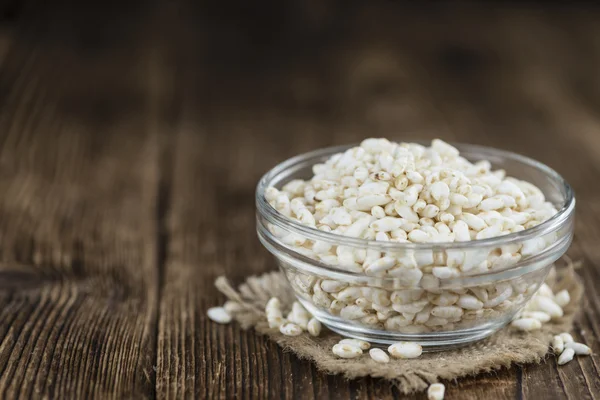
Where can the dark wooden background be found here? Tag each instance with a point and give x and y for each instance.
(132, 137)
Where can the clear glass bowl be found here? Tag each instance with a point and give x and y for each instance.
(414, 305)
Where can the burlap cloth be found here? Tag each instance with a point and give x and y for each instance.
(502, 349)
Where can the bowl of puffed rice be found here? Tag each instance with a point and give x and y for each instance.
(441, 245)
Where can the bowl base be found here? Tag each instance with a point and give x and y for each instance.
(430, 341)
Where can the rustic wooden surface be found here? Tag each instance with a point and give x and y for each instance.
(131, 139)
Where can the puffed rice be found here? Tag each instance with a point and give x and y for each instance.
(579, 348)
(346, 350)
(355, 342)
(219, 315)
(564, 346)
(290, 329)
(545, 291)
(273, 313)
(436, 391)
(546, 305)
(314, 327)
(566, 337)
(562, 298)
(539, 315)
(299, 315)
(557, 344)
(527, 324)
(379, 355)
(405, 350)
(566, 356)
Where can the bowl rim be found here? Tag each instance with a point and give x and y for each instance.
(552, 224)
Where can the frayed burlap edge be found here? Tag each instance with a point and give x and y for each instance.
(500, 350)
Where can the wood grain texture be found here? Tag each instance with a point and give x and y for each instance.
(129, 157)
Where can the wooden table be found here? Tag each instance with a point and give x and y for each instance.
(132, 137)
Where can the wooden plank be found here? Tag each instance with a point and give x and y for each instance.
(127, 174)
(78, 267)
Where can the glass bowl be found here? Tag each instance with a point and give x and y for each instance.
(409, 303)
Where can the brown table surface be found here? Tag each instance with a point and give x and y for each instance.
(132, 137)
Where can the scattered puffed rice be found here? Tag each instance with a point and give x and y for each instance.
(545, 291)
(346, 350)
(405, 350)
(314, 327)
(541, 307)
(527, 324)
(290, 329)
(219, 315)
(379, 355)
(566, 356)
(564, 345)
(355, 342)
(579, 348)
(562, 298)
(557, 344)
(299, 315)
(539, 315)
(546, 305)
(273, 312)
(273, 305)
(566, 337)
(436, 391)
